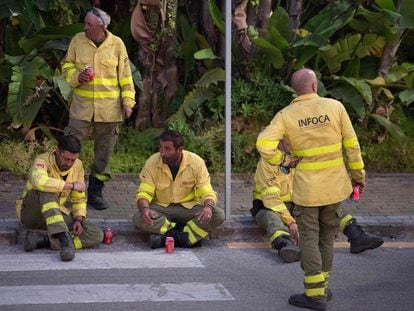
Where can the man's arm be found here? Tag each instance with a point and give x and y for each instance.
(72, 76)
(126, 82)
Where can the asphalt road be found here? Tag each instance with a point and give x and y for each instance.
(215, 277)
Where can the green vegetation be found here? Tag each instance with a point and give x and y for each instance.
(361, 52)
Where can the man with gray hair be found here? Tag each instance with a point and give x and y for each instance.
(97, 67)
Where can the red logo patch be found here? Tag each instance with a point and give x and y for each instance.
(41, 165)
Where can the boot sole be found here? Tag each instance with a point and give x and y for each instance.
(289, 255)
(301, 304)
(358, 250)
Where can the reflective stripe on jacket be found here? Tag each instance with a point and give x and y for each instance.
(318, 130)
(190, 186)
(45, 176)
(273, 188)
(102, 98)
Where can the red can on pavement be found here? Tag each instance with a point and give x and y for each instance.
(108, 236)
(169, 245)
(355, 195)
(89, 71)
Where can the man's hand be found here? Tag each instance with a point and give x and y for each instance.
(146, 215)
(83, 77)
(79, 186)
(360, 184)
(294, 161)
(126, 111)
(293, 230)
(205, 215)
(77, 226)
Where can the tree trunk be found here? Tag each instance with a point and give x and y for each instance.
(153, 25)
(295, 12)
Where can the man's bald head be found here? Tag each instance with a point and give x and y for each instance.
(304, 82)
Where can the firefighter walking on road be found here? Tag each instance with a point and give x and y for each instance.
(56, 176)
(318, 131)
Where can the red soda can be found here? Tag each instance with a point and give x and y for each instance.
(355, 193)
(108, 236)
(169, 245)
(89, 71)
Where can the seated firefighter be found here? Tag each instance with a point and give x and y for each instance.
(175, 197)
(271, 195)
(54, 177)
(274, 179)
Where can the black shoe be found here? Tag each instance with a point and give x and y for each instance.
(67, 249)
(35, 240)
(95, 197)
(303, 301)
(359, 239)
(287, 250)
(157, 241)
(328, 294)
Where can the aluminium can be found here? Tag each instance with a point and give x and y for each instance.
(89, 71)
(169, 245)
(355, 195)
(108, 236)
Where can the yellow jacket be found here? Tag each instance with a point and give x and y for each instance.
(318, 130)
(273, 188)
(191, 184)
(101, 99)
(45, 176)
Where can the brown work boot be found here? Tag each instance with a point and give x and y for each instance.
(34, 239)
(67, 249)
(303, 301)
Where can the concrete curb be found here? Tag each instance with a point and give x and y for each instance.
(240, 228)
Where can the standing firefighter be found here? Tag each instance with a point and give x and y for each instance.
(318, 130)
(97, 67)
(175, 197)
(54, 177)
(273, 192)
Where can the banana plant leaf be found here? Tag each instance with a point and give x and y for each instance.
(216, 15)
(362, 87)
(49, 33)
(407, 96)
(273, 54)
(348, 94)
(24, 100)
(278, 32)
(212, 77)
(391, 128)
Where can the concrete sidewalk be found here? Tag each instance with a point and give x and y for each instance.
(386, 208)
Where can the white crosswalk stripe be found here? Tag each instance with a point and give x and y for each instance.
(94, 260)
(106, 293)
(99, 293)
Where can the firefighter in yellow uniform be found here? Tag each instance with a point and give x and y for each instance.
(175, 197)
(272, 190)
(101, 101)
(318, 130)
(280, 181)
(54, 177)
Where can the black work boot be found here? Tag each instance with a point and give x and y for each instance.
(67, 249)
(95, 197)
(303, 301)
(180, 239)
(287, 250)
(359, 239)
(328, 293)
(35, 240)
